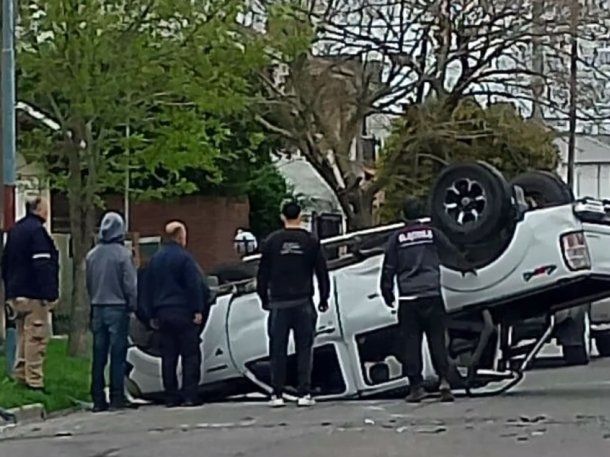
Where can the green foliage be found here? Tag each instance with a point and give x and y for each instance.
(247, 169)
(171, 70)
(426, 137)
(67, 381)
(144, 86)
(267, 191)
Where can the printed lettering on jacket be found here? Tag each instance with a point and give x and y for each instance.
(415, 237)
(291, 248)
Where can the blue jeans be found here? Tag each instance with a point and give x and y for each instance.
(110, 326)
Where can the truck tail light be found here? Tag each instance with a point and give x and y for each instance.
(575, 251)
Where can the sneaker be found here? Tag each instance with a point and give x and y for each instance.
(190, 403)
(447, 396)
(276, 402)
(37, 389)
(120, 405)
(99, 408)
(173, 403)
(306, 401)
(416, 395)
(445, 391)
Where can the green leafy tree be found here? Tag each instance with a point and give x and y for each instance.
(142, 86)
(427, 137)
(247, 169)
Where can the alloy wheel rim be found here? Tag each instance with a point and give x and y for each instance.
(465, 201)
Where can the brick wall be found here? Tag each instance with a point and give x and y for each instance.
(211, 221)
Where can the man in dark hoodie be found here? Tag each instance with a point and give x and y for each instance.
(177, 300)
(112, 288)
(289, 260)
(412, 260)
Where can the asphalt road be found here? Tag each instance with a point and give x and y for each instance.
(559, 412)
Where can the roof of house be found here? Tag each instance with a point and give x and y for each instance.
(307, 182)
(589, 148)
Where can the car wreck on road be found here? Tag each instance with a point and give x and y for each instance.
(537, 252)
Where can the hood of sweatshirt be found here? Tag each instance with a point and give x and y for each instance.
(112, 229)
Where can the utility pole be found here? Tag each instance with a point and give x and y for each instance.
(537, 58)
(7, 175)
(574, 20)
(126, 202)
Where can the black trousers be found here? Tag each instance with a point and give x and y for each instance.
(180, 337)
(416, 317)
(302, 321)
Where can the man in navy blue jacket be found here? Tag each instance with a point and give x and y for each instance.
(30, 270)
(177, 300)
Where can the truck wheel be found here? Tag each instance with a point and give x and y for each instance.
(576, 355)
(470, 202)
(544, 189)
(602, 341)
(580, 354)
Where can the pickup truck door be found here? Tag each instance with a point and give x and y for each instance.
(370, 330)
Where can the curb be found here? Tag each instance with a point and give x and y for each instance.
(29, 413)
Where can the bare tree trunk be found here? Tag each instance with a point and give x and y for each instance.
(77, 342)
(574, 15)
(358, 207)
(81, 226)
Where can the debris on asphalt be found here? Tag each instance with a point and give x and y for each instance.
(401, 429)
(216, 425)
(369, 421)
(431, 430)
(586, 417)
(533, 420)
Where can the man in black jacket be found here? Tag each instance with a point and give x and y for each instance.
(412, 260)
(30, 270)
(177, 300)
(289, 259)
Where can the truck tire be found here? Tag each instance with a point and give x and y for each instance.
(544, 189)
(470, 202)
(576, 355)
(602, 341)
(580, 354)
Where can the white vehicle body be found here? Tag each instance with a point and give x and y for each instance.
(357, 348)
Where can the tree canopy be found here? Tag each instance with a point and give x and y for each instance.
(336, 63)
(142, 86)
(427, 137)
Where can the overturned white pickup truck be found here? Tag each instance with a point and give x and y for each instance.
(537, 252)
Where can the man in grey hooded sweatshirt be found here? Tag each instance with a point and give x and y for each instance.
(112, 288)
